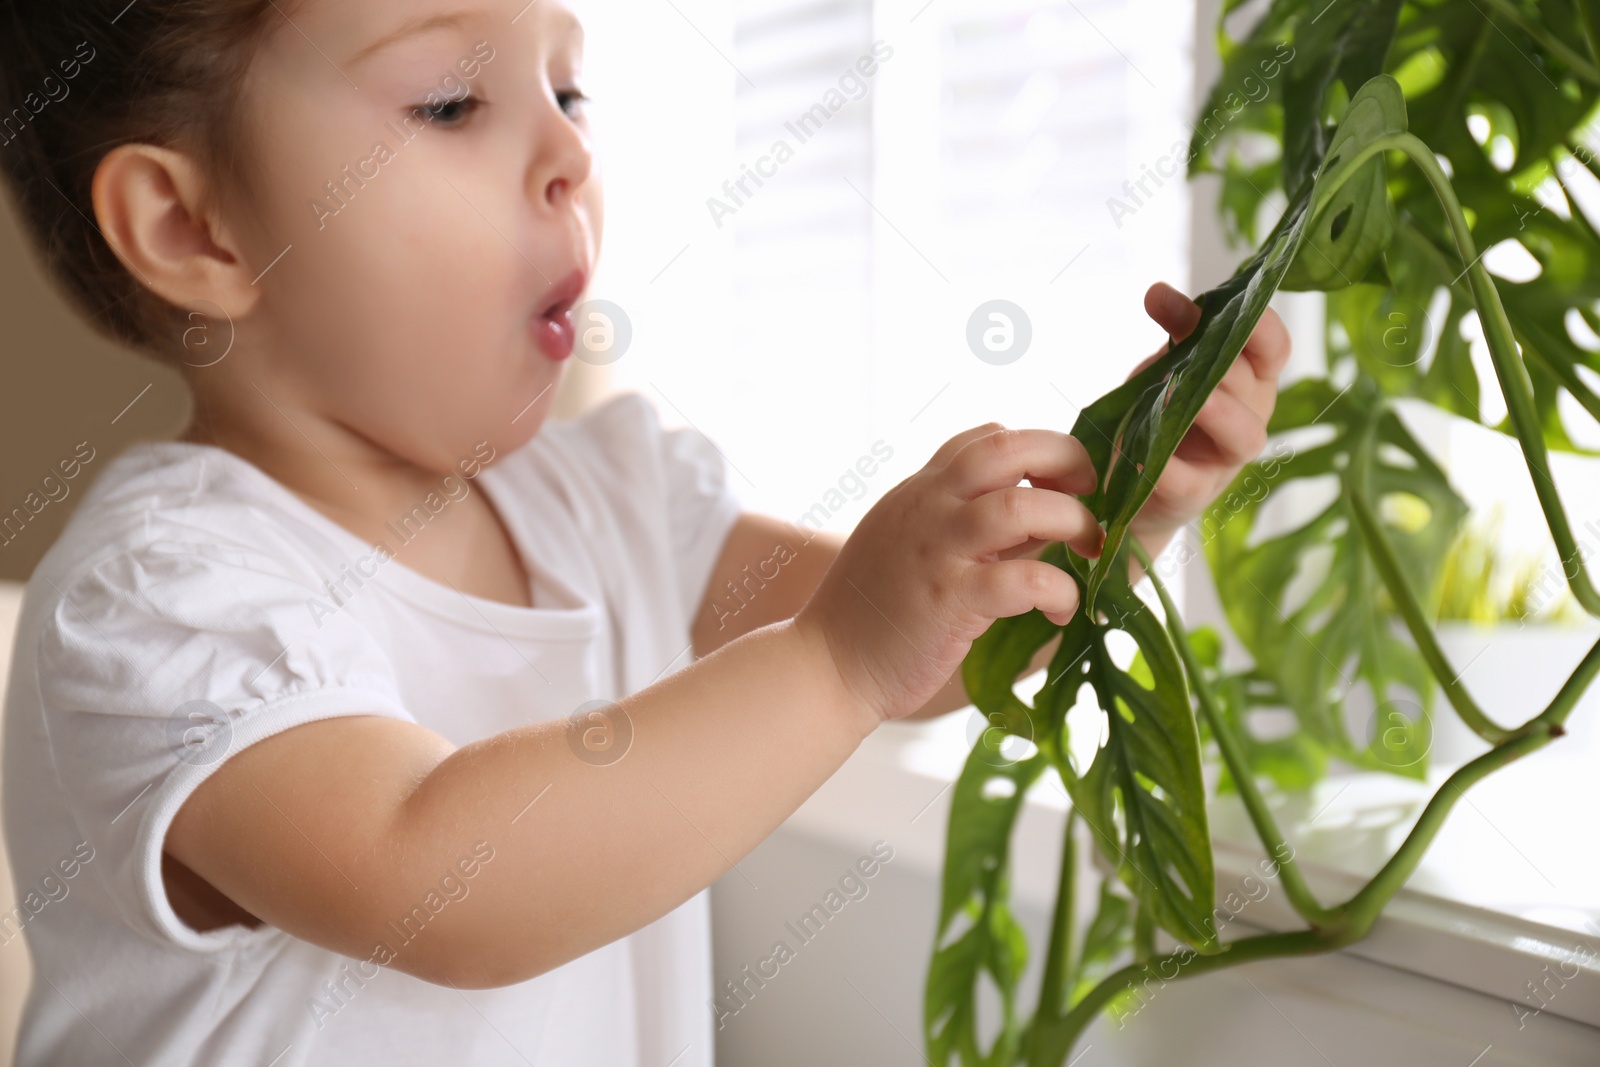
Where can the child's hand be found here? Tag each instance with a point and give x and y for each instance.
(1231, 430)
(938, 559)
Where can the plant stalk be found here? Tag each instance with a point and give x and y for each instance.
(1381, 550)
(1060, 968)
(1359, 913)
(1350, 922)
(1509, 369)
(1572, 691)
(1577, 63)
(1294, 883)
(1056, 1039)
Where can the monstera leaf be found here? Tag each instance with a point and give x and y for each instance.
(1305, 602)
(1280, 80)
(1336, 229)
(984, 807)
(1109, 935)
(1142, 795)
(1526, 83)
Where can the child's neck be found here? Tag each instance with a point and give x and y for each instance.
(367, 491)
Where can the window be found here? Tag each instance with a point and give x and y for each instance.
(806, 218)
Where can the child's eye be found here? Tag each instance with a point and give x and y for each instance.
(448, 113)
(572, 101)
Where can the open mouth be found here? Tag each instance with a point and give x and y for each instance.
(554, 328)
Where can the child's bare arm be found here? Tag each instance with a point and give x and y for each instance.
(337, 829)
(766, 571)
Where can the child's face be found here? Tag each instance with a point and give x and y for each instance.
(414, 306)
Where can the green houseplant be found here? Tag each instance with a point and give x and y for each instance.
(1407, 138)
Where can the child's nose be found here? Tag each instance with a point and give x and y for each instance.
(562, 167)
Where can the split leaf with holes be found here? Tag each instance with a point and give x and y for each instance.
(1322, 550)
(1143, 795)
(1334, 228)
(1305, 600)
(983, 809)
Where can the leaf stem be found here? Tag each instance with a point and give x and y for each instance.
(1513, 375)
(1572, 690)
(1362, 910)
(1382, 552)
(1384, 558)
(1057, 1038)
(1294, 883)
(1515, 384)
(1580, 66)
(1591, 32)
(1060, 968)
(1350, 922)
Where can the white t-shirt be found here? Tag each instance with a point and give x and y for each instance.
(188, 574)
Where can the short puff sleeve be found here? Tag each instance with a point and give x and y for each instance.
(156, 665)
(690, 475)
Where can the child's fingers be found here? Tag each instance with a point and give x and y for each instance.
(1267, 351)
(1258, 395)
(1186, 485)
(948, 450)
(1013, 587)
(1238, 432)
(1017, 515)
(1171, 310)
(1269, 347)
(1003, 458)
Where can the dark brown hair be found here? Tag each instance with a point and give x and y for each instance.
(80, 77)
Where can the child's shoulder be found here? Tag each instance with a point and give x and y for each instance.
(180, 509)
(178, 499)
(608, 430)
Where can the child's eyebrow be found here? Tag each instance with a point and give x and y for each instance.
(453, 20)
(412, 28)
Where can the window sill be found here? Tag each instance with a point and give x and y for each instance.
(1503, 894)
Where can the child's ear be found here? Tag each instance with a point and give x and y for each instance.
(151, 205)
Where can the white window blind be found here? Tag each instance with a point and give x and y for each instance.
(835, 261)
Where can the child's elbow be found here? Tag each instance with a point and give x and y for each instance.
(465, 962)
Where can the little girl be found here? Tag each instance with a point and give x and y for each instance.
(377, 719)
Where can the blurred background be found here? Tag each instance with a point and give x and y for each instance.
(831, 225)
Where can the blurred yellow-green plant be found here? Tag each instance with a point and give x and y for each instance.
(1483, 582)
